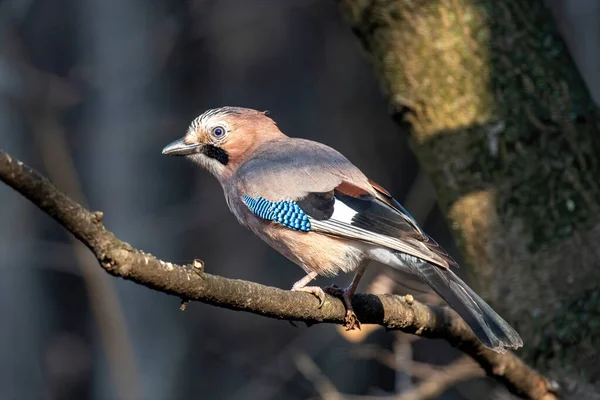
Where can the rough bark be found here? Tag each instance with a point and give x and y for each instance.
(501, 121)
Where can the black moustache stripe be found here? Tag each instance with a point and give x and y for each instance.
(215, 152)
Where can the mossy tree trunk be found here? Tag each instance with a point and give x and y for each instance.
(503, 124)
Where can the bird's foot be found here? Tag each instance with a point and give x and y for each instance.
(316, 290)
(351, 321)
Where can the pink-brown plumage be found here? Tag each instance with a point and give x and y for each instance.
(326, 255)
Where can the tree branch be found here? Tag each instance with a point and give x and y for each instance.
(190, 282)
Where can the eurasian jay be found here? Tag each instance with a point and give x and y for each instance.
(307, 201)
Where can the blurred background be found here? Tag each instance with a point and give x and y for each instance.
(90, 92)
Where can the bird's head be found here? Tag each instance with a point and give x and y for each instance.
(222, 138)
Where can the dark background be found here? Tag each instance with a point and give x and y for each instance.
(90, 92)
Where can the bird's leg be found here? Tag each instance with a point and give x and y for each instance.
(351, 322)
(300, 286)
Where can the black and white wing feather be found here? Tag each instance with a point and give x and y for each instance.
(370, 219)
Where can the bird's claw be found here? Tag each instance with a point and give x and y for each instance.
(320, 295)
(351, 321)
(315, 290)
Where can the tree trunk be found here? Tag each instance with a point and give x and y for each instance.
(503, 124)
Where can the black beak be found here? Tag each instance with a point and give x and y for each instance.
(180, 148)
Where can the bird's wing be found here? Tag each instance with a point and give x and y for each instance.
(308, 186)
(372, 219)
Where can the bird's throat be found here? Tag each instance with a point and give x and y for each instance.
(216, 153)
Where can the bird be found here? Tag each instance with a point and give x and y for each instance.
(311, 204)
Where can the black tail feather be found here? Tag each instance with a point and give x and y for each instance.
(489, 327)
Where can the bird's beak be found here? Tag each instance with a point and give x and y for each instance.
(180, 148)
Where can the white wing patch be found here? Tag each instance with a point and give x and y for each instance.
(342, 212)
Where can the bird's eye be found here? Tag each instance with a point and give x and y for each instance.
(218, 132)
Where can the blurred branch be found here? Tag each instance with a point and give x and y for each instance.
(103, 297)
(403, 356)
(190, 282)
(440, 381)
(312, 372)
(437, 381)
(264, 385)
(385, 357)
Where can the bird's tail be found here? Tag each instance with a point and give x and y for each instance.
(490, 328)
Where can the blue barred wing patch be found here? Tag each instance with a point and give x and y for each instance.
(286, 213)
